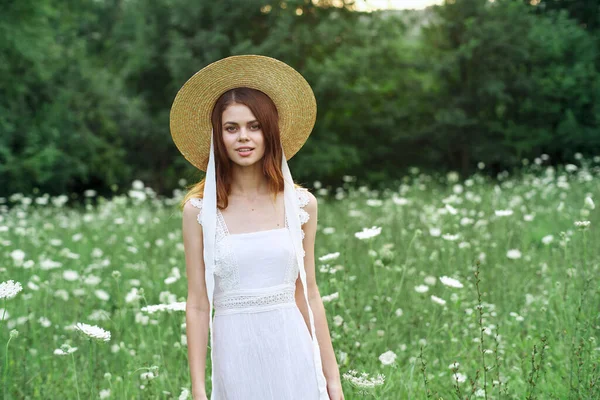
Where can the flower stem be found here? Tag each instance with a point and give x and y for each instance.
(75, 371)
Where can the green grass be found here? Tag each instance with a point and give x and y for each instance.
(537, 315)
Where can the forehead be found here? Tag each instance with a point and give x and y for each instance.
(238, 113)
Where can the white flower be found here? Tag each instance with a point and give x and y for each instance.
(513, 254)
(547, 239)
(362, 380)
(104, 394)
(368, 233)
(93, 331)
(399, 312)
(387, 358)
(503, 213)
(177, 306)
(451, 209)
(438, 300)
(450, 237)
(330, 297)
(102, 294)
(64, 350)
(70, 275)
(582, 224)
(589, 203)
(338, 320)
(401, 201)
(451, 282)
(460, 378)
(454, 365)
(435, 232)
(421, 288)
(374, 202)
(185, 394)
(330, 256)
(571, 168)
(9, 289)
(430, 280)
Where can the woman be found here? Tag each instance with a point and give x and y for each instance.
(249, 235)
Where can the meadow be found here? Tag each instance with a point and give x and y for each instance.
(436, 288)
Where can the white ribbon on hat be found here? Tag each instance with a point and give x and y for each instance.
(209, 225)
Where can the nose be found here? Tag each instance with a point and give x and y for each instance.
(243, 133)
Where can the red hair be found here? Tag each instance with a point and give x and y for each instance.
(266, 114)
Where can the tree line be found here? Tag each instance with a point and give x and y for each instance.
(86, 87)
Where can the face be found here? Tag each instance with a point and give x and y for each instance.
(242, 130)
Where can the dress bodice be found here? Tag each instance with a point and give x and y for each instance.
(254, 269)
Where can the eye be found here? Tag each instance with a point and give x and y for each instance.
(255, 127)
(230, 128)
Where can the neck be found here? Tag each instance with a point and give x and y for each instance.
(248, 181)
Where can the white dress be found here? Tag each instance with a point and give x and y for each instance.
(262, 345)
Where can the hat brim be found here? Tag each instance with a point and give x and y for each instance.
(190, 119)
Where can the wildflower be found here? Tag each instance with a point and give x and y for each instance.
(438, 300)
(450, 237)
(401, 201)
(9, 289)
(450, 282)
(387, 358)
(454, 365)
(93, 331)
(460, 378)
(338, 320)
(503, 213)
(70, 275)
(64, 350)
(368, 233)
(330, 297)
(582, 224)
(330, 256)
(177, 306)
(102, 294)
(421, 288)
(589, 203)
(513, 254)
(435, 232)
(547, 239)
(362, 380)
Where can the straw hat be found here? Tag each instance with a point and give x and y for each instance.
(190, 119)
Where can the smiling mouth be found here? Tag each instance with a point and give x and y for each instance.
(245, 150)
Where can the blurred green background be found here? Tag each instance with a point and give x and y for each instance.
(86, 86)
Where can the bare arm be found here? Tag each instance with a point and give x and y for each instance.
(330, 366)
(197, 305)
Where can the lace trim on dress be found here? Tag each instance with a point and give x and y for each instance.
(283, 296)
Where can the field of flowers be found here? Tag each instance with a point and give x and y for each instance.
(435, 288)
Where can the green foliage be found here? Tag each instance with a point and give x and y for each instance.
(87, 86)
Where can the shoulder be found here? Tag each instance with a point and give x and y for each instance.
(192, 209)
(307, 201)
(305, 198)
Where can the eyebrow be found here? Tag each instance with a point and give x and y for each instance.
(235, 123)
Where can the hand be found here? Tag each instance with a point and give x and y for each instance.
(199, 396)
(335, 391)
